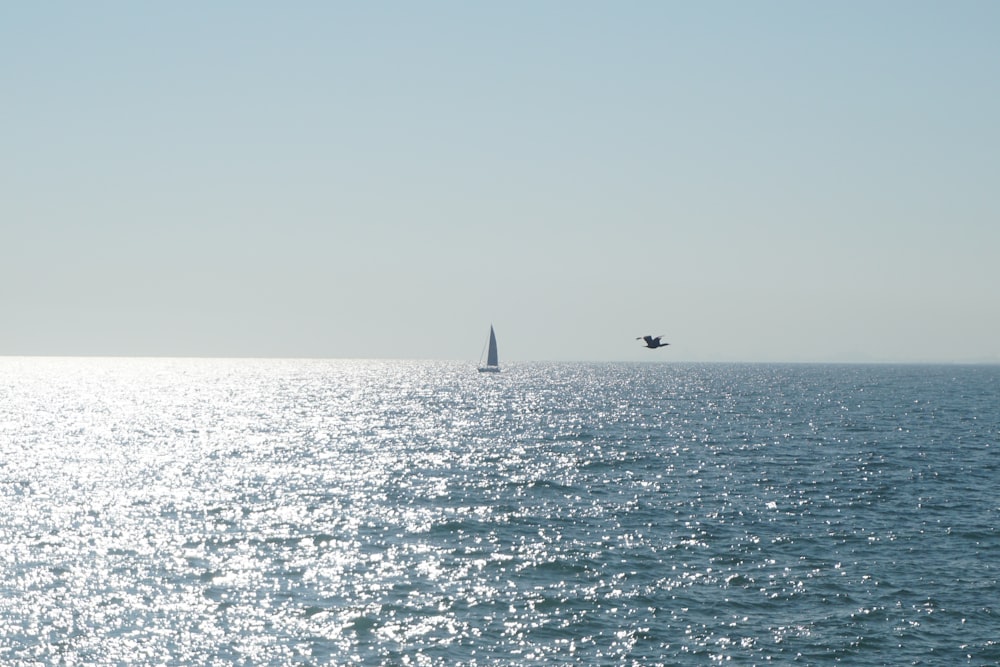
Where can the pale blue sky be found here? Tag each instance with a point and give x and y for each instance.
(758, 181)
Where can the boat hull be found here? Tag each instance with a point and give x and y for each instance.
(489, 369)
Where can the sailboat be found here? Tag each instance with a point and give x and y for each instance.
(492, 365)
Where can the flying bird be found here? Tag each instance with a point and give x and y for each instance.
(653, 342)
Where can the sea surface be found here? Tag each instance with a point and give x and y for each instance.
(251, 512)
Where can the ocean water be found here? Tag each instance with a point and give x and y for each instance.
(247, 512)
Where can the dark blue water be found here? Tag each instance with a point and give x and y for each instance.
(181, 512)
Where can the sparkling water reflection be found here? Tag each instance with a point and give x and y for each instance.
(371, 512)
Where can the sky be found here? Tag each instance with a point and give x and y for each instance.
(761, 181)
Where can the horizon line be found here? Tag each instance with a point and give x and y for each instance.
(515, 362)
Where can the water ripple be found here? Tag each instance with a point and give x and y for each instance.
(216, 512)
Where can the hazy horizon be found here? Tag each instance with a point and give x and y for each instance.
(504, 364)
(756, 182)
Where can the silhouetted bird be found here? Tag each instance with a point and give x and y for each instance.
(653, 342)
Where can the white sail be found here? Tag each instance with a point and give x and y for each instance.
(492, 360)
